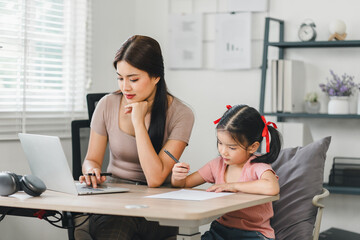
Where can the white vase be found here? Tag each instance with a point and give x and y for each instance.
(339, 105)
(312, 107)
(358, 104)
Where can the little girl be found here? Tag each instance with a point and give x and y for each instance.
(239, 134)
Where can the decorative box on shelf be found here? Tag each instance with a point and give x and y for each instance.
(345, 172)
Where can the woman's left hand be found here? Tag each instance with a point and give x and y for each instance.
(227, 187)
(138, 111)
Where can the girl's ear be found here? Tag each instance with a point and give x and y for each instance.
(253, 147)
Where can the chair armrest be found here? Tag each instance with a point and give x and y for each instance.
(316, 202)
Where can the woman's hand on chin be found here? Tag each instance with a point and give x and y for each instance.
(138, 111)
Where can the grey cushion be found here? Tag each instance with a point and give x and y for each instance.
(300, 172)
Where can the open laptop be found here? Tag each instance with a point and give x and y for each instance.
(47, 161)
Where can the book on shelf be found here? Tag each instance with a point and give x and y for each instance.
(294, 86)
(274, 72)
(280, 86)
(287, 86)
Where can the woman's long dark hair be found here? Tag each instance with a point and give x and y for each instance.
(245, 125)
(144, 53)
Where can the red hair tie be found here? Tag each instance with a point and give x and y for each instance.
(265, 132)
(218, 120)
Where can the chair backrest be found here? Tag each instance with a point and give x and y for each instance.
(300, 172)
(92, 99)
(80, 134)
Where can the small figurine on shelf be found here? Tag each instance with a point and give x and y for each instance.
(312, 104)
(337, 29)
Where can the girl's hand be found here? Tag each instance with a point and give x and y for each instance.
(227, 187)
(138, 111)
(180, 171)
(94, 180)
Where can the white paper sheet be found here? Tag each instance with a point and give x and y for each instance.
(233, 41)
(20, 195)
(185, 38)
(185, 194)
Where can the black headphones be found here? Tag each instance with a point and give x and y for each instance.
(10, 183)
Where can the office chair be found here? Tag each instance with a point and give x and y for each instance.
(79, 128)
(76, 127)
(92, 99)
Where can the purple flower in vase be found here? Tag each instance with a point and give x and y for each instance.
(343, 89)
(337, 86)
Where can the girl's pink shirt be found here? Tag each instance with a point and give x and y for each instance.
(255, 218)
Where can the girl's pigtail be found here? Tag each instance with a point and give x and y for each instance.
(275, 147)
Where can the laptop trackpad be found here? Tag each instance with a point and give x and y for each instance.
(85, 189)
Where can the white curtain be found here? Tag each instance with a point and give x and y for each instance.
(44, 65)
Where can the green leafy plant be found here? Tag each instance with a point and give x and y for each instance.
(311, 97)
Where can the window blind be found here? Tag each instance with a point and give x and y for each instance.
(44, 65)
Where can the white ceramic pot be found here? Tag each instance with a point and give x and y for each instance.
(312, 107)
(339, 105)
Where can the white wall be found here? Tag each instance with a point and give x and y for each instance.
(113, 22)
(209, 91)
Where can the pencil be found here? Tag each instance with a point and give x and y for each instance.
(170, 155)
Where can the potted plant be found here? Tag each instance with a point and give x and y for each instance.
(312, 104)
(339, 89)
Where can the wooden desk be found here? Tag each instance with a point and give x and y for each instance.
(187, 215)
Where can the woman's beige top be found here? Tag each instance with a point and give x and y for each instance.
(124, 161)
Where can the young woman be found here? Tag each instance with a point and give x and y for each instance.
(138, 121)
(237, 169)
